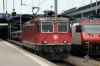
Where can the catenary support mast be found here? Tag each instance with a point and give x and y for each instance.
(55, 8)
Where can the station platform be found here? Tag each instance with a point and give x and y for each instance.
(12, 55)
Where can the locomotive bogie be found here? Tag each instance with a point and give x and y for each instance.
(51, 52)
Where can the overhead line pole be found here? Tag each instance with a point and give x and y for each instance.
(21, 2)
(3, 6)
(6, 6)
(91, 2)
(91, 6)
(13, 6)
(55, 8)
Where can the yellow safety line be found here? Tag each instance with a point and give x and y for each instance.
(95, 61)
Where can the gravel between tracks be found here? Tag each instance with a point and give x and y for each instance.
(78, 61)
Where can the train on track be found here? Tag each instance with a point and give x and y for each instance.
(85, 36)
(16, 35)
(49, 37)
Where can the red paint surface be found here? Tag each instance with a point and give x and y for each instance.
(38, 38)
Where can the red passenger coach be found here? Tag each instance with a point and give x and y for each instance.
(48, 36)
(86, 36)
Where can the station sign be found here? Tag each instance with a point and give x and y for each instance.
(5, 16)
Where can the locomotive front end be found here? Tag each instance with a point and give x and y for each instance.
(86, 36)
(91, 37)
(54, 38)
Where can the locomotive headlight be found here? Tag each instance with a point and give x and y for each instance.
(87, 42)
(45, 42)
(65, 42)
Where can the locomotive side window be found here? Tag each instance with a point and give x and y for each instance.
(18, 34)
(78, 29)
(38, 26)
(62, 27)
(31, 28)
(24, 28)
(47, 27)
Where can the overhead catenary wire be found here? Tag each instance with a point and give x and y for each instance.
(41, 2)
(37, 5)
(21, 6)
(46, 8)
(49, 6)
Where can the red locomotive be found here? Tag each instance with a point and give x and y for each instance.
(86, 35)
(48, 36)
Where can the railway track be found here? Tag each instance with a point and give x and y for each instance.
(63, 63)
(98, 59)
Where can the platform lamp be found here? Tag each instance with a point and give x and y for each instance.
(13, 13)
(3, 6)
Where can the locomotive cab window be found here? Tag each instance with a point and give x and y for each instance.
(78, 29)
(47, 27)
(63, 27)
(91, 28)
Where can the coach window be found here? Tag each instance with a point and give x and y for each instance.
(78, 29)
(38, 26)
(62, 27)
(47, 27)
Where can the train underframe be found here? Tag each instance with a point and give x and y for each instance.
(50, 52)
(90, 49)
